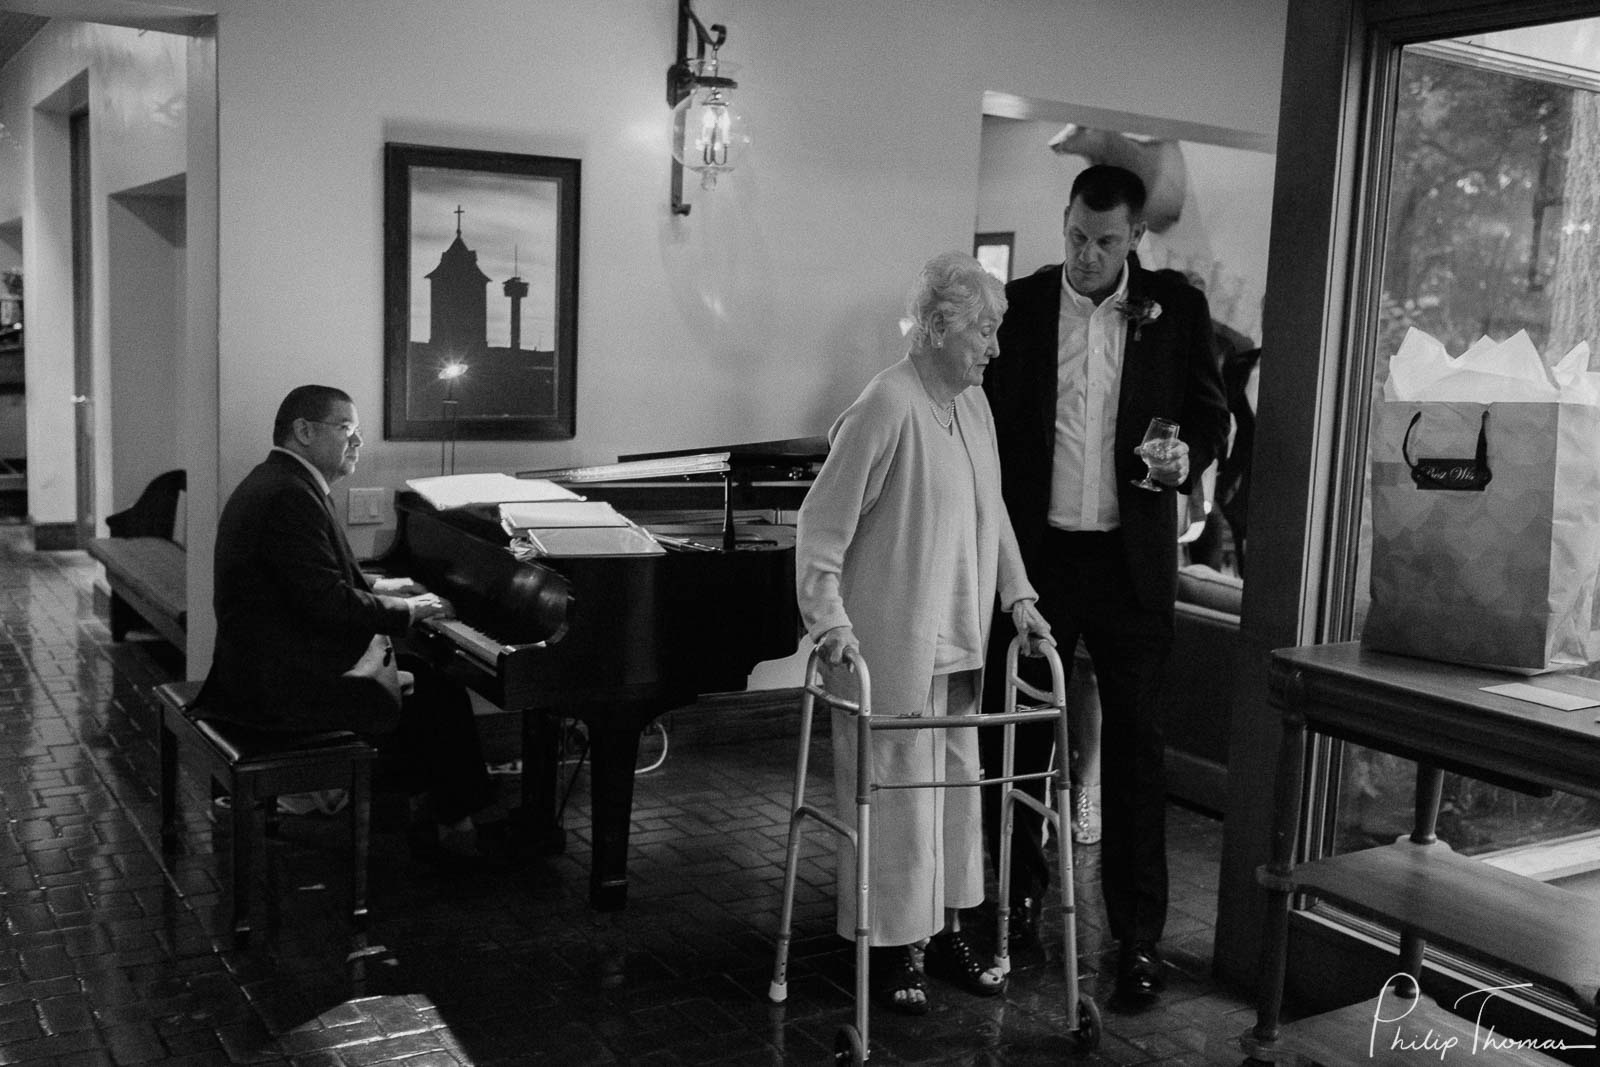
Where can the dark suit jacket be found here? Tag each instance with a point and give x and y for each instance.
(293, 609)
(1168, 370)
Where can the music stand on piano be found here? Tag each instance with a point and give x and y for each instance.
(749, 474)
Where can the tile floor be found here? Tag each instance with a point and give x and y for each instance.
(108, 957)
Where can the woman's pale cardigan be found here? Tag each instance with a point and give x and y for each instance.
(873, 552)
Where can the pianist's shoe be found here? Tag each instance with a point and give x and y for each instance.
(449, 848)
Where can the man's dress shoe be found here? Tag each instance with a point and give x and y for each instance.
(1141, 976)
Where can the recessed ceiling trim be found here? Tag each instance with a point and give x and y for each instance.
(188, 19)
(1012, 106)
(16, 30)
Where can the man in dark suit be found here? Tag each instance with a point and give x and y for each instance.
(1090, 351)
(295, 612)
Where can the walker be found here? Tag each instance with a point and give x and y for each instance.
(851, 1042)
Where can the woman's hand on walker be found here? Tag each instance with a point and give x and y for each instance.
(834, 642)
(1030, 625)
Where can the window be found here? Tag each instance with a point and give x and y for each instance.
(1493, 194)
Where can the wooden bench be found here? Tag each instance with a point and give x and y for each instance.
(148, 577)
(146, 568)
(253, 767)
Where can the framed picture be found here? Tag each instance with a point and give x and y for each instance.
(480, 308)
(993, 251)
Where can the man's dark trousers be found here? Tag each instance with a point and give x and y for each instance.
(1085, 590)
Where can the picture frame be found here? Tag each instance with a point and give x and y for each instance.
(480, 267)
(993, 251)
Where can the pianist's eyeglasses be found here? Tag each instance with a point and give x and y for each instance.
(345, 428)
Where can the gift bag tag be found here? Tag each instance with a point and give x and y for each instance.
(1461, 475)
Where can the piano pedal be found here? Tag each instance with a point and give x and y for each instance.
(574, 741)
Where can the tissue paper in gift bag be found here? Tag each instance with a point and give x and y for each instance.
(1493, 567)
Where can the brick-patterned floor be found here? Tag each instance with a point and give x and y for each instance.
(109, 957)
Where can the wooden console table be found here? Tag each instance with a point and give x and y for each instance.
(1435, 714)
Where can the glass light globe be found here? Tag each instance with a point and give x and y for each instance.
(709, 134)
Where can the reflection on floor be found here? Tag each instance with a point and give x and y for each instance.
(106, 958)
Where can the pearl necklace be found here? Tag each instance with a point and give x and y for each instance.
(945, 417)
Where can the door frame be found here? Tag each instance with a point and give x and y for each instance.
(80, 153)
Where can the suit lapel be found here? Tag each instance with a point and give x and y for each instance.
(1049, 331)
(346, 554)
(1135, 371)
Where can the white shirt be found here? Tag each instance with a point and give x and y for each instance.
(1089, 349)
(322, 483)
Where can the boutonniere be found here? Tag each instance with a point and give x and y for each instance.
(1138, 312)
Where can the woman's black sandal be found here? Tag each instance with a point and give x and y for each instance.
(951, 958)
(896, 981)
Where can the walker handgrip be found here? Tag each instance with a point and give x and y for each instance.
(853, 661)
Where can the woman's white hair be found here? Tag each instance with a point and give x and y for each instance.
(954, 289)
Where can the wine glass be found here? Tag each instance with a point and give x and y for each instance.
(1160, 440)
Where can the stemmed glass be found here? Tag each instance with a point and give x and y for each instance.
(1160, 440)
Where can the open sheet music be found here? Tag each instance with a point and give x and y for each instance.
(576, 528)
(461, 490)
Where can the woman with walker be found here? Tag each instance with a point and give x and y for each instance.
(904, 546)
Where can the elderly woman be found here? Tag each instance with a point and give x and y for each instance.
(904, 547)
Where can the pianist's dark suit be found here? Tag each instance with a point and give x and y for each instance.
(294, 612)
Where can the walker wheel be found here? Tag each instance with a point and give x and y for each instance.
(847, 1047)
(1087, 1035)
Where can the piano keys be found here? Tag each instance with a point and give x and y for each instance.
(612, 640)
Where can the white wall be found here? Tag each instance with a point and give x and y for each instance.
(762, 313)
(134, 87)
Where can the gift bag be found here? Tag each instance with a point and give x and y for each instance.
(1485, 532)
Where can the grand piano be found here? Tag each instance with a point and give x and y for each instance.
(615, 640)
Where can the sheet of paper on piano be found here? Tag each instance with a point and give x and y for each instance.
(575, 528)
(546, 514)
(629, 540)
(461, 490)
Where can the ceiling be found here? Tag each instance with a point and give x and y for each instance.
(16, 30)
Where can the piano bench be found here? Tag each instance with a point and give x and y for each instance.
(253, 767)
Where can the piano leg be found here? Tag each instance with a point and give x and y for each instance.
(539, 817)
(613, 756)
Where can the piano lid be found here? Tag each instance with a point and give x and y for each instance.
(790, 452)
(791, 456)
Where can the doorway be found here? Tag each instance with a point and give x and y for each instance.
(1208, 215)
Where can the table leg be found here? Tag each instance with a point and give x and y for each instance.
(1424, 823)
(1277, 878)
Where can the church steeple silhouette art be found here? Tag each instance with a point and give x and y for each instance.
(510, 383)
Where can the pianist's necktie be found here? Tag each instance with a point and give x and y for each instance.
(346, 553)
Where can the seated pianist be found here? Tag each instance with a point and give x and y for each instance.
(294, 613)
